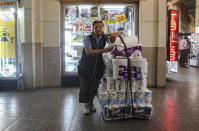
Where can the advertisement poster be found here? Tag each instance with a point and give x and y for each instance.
(121, 18)
(173, 30)
(7, 34)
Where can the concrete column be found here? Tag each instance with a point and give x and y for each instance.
(41, 44)
(51, 44)
(152, 35)
(32, 47)
(28, 46)
(197, 13)
(161, 50)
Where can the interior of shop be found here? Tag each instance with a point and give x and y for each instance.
(187, 65)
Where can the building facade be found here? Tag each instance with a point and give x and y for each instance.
(40, 33)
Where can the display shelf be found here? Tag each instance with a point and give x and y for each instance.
(194, 51)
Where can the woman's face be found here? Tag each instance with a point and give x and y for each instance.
(98, 29)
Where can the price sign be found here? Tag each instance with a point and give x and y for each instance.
(121, 18)
(110, 21)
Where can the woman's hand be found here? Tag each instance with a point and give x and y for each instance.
(113, 36)
(108, 49)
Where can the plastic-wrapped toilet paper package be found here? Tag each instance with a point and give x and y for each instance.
(109, 83)
(107, 57)
(120, 85)
(113, 112)
(139, 69)
(139, 66)
(129, 41)
(147, 96)
(117, 111)
(130, 98)
(108, 70)
(138, 100)
(144, 112)
(112, 96)
(139, 85)
(120, 98)
(133, 51)
(103, 98)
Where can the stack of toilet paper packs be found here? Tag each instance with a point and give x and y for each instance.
(120, 97)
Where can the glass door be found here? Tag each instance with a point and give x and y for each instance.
(7, 43)
(78, 24)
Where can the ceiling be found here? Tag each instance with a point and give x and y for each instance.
(189, 5)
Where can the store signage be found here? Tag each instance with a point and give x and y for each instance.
(7, 3)
(110, 21)
(173, 30)
(121, 18)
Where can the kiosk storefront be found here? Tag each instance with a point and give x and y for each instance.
(77, 24)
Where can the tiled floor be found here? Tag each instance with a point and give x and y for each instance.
(57, 109)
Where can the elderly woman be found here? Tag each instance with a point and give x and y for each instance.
(91, 66)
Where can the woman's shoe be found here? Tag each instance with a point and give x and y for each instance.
(92, 108)
(86, 110)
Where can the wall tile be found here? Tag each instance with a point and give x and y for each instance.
(27, 4)
(162, 10)
(161, 66)
(51, 34)
(39, 65)
(148, 34)
(28, 26)
(38, 31)
(51, 10)
(28, 65)
(162, 33)
(52, 67)
(150, 53)
(147, 13)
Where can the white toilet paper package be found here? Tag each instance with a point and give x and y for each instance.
(133, 52)
(120, 111)
(107, 57)
(112, 96)
(103, 99)
(109, 83)
(139, 69)
(144, 112)
(133, 48)
(121, 98)
(139, 85)
(147, 96)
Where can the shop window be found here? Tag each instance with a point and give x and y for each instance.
(78, 24)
